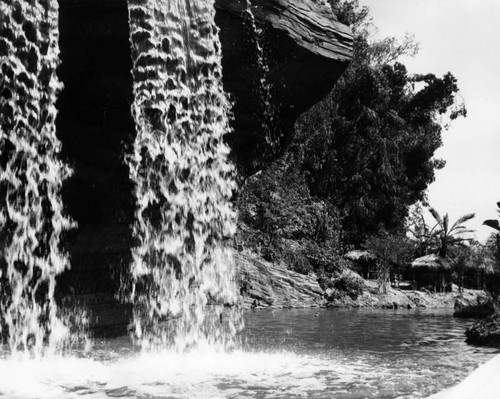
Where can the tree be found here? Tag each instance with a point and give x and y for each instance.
(280, 219)
(418, 229)
(447, 234)
(369, 146)
(359, 159)
(462, 257)
(493, 243)
(393, 252)
(495, 224)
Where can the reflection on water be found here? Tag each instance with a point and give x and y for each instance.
(284, 354)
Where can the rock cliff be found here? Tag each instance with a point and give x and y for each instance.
(304, 52)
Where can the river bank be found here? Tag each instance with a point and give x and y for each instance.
(269, 285)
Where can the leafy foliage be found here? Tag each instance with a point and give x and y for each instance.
(493, 244)
(285, 223)
(369, 146)
(360, 158)
(494, 223)
(344, 283)
(447, 234)
(393, 253)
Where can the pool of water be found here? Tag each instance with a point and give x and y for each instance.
(283, 354)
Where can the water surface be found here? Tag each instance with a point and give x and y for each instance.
(284, 354)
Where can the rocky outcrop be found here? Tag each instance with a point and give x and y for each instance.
(267, 285)
(304, 52)
(481, 306)
(485, 332)
(400, 299)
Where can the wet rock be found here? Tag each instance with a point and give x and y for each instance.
(267, 285)
(481, 306)
(485, 332)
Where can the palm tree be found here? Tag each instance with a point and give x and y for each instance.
(495, 224)
(448, 234)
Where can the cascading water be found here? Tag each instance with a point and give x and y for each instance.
(183, 178)
(264, 89)
(31, 175)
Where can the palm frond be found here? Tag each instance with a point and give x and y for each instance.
(436, 215)
(464, 230)
(494, 224)
(446, 223)
(433, 232)
(463, 219)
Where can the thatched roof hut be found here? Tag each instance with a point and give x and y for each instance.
(432, 271)
(431, 262)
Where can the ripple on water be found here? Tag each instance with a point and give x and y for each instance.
(315, 360)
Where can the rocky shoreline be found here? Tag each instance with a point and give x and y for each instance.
(265, 285)
(268, 285)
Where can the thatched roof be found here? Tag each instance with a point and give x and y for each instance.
(359, 255)
(432, 262)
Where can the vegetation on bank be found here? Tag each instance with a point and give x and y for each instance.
(356, 174)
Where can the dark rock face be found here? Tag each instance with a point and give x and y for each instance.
(306, 51)
(486, 332)
(95, 126)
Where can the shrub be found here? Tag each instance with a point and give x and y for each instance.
(349, 283)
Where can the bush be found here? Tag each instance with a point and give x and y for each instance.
(281, 221)
(345, 283)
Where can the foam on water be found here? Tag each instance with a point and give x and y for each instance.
(212, 374)
(183, 178)
(31, 176)
(200, 374)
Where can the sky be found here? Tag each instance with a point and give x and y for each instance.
(463, 37)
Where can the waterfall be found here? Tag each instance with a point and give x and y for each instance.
(31, 175)
(183, 178)
(264, 88)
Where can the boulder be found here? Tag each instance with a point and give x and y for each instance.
(268, 285)
(481, 306)
(485, 332)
